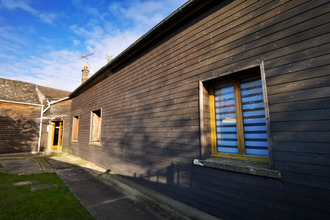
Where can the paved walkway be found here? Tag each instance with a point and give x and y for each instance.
(103, 199)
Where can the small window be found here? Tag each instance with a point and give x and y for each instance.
(95, 135)
(238, 123)
(75, 128)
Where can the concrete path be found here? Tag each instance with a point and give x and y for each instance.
(103, 198)
(20, 164)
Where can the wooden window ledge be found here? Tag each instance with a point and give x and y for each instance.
(95, 143)
(240, 166)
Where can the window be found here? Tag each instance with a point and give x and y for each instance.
(95, 131)
(75, 128)
(238, 123)
(234, 123)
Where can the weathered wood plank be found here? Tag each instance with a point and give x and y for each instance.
(314, 104)
(311, 115)
(307, 180)
(299, 65)
(288, 187)
(302, 147)
(280, 203)
(302, 75)
(310, 169)
(317, 137)
(304, 126)
(300, 85)
(316, 93)
(303, 158)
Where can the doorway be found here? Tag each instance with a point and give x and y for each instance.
(57, 130)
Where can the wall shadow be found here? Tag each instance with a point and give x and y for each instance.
(18, 135)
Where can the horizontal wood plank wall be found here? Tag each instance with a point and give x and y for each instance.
(150, 110)
(19, 128)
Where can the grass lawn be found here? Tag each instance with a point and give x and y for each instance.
(18, 202)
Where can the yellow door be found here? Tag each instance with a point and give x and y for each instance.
(57, 135)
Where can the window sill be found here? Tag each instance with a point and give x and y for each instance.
(240, 166)
(74, 141)
(95, 143)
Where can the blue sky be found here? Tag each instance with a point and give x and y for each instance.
(42, 41)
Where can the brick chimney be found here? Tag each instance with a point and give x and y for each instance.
(85, 74)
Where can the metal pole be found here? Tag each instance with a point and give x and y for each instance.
(40, 127)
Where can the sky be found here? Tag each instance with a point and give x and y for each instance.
(43, 41)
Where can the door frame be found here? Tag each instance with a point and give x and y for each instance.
(51, 135)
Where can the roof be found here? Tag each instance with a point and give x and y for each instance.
(12, 90)
(51, 93)
(166, 26)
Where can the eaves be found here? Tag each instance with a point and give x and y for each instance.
(190, 9)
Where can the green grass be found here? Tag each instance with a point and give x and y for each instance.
(18, 202)
(1, 165)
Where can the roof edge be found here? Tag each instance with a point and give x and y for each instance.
(21, 103)
(175, 17)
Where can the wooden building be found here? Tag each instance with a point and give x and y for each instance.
(224, 105)
(22, 105)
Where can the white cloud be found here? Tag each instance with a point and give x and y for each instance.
(76, 42)
(8, 33)
(110, 40)
(21, 4)
(25, 6)
(144, 13)
(10, 42)
(47, 18)
(3, 56)
(61, 69)
(110, 45)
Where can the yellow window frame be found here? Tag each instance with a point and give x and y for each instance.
(239, 123)
(75, 128)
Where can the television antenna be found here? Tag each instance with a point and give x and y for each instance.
(108, 57)
(86, 59)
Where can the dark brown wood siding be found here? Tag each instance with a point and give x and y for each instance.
(150, 110)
